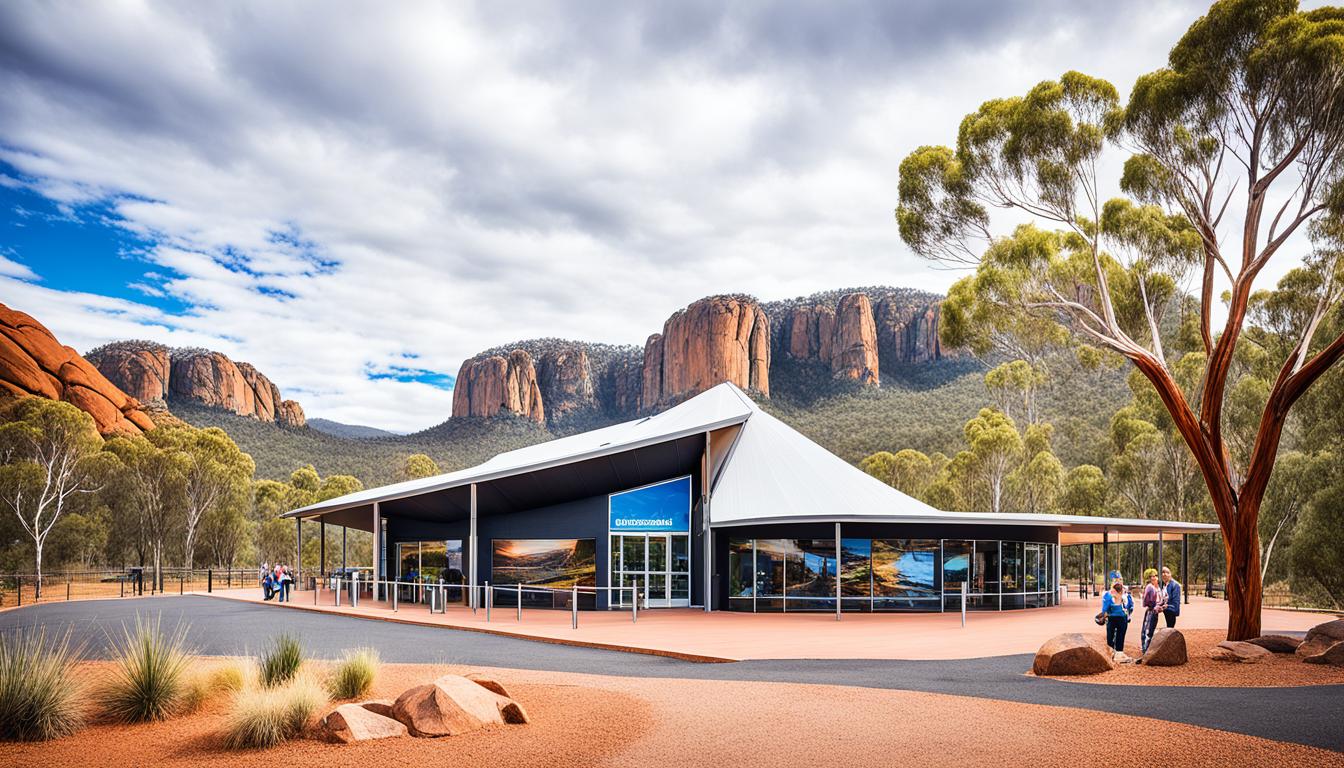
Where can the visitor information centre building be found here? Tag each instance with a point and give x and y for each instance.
(713, 503)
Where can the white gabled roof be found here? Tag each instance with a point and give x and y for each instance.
(772, 474)
(712, 409)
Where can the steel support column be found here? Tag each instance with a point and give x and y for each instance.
(377, 566)
(705, 484)
(298, 551)
(343, 530)
(837, 571)
(1185, 566)
(1105, 570)
(322, 548)
(471, 535)
(1159, 552)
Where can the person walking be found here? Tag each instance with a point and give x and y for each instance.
(1117, 607)
(1154, 601)
(267, 586)
(1172, 588)
(286, 583)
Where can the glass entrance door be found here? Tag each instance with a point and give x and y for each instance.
(659, 564)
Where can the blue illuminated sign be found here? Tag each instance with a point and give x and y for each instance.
(662, 506)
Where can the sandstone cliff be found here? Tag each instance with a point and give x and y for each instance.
(495, 384)
(34, 364)
(716, 339)
(854, 348)
(158, 375)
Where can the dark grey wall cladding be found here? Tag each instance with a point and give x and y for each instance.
(1028, 533)
(581, 519)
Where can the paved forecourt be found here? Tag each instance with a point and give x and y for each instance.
(695, 634)
(1306, 715)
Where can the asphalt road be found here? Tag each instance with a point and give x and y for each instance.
(1307, 715)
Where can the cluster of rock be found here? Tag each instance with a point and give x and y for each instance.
(1080, 654)
(157, 374)
(450, 706)
(852, 334)
(34, 364)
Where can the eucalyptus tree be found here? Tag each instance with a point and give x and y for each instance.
(216, 474)
(48, 458)
(1235, 146)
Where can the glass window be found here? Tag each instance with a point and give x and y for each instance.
(681, 553)
(770, 557)
(810, 575)
(740, 568)
(1012, 574)
(903, 574)
(956, 571)
(632, 553)
(985, 576)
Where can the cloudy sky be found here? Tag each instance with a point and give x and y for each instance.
(357, 196)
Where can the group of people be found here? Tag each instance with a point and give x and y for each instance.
(1161, 597)
(276, 581)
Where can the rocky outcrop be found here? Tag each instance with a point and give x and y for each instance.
(565, 378)
(907, 335)
(1072, 653)
(138, 368)
(159, 374)
(290, 414)
(854, 347)
(808, 332)
(497, 384)
(718, 339)
(34, 364)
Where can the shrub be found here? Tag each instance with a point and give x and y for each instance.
(39, 697)
(353, 676)
(230, 677)
(281, 661)
(148, 682)
(264, 717)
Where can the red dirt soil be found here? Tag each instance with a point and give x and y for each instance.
(595, 720)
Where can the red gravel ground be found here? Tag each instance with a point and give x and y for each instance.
(1277, 670)
(610, 721)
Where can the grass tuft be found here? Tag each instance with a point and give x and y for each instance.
(281, 661)
(148, 682)
(353, 676)
(264, 717)
(231, 677)
(39, 698)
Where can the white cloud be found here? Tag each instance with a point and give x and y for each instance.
(335, 187)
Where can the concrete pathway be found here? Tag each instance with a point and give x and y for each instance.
(1305, 715)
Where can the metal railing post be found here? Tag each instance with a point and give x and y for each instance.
(67, 589)
(487, 601)
(574, 606)
(394, 595)
(963, 603)
(520, 602)
(209, 580)
(634, 604)
(122, 584)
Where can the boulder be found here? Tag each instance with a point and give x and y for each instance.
(1166, 649)
(350, 723)
(453, 705)
(379, 706)
(1235, 650)
(1276, 643)
(1332, 655)
(1072, 653)
(489, 683)
(1320, 637)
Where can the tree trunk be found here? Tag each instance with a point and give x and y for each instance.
(1245, 588)
(37, 594)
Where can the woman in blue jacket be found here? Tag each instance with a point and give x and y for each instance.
(1117, 606)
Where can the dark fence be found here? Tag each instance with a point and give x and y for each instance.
(22, 588)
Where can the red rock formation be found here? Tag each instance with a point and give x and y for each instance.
(907, 335)
(565, 378)
(809, 332)
(265, 395)
(717, 339)
(488, 386)
(34, 364)
(625, 383)
(138, 368)
(854, 345)
(290, 414)
(212, 380)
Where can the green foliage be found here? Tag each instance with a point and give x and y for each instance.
(281, 660)
(1084, 491)
(148, 681)
(1317, 557)
(418, 465)
(40, 697)
(353, 676)
(266, 716)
